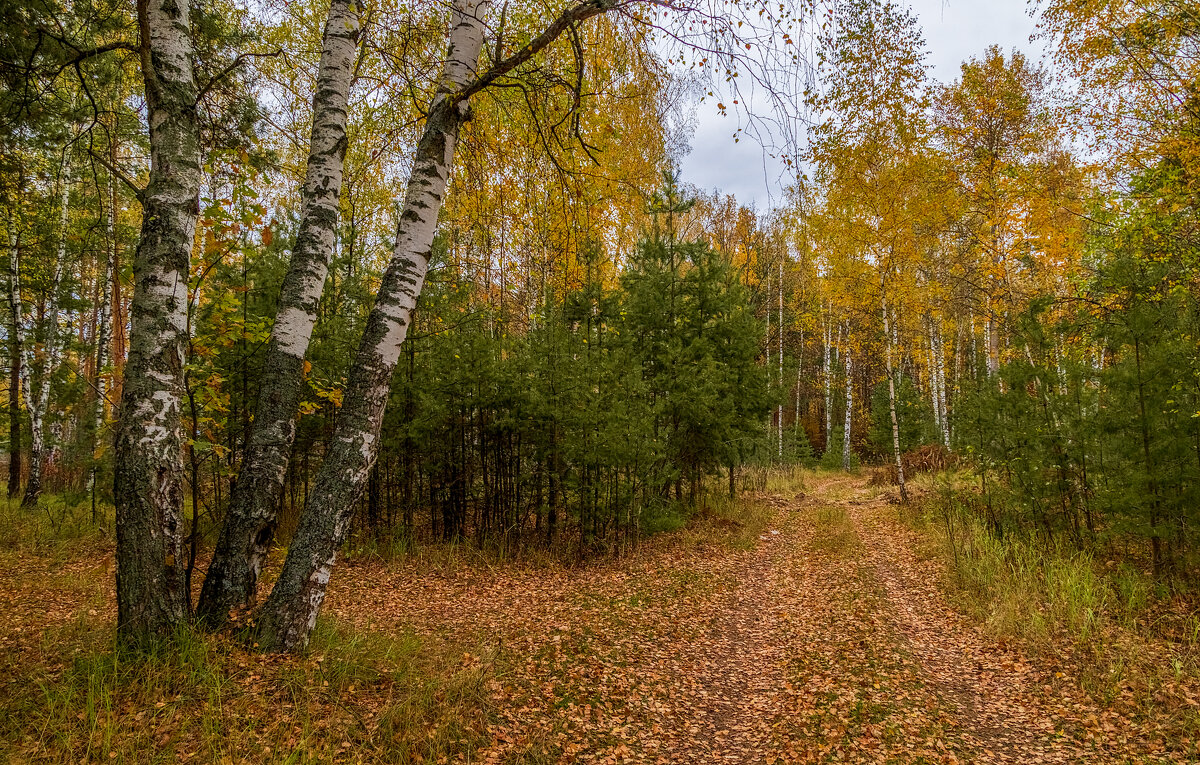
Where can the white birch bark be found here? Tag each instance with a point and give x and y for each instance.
(828, 388)
(896, 344)
(779, 409)
(799, 380)
(38, 406)
(14, 302)
(103, 332)
(849, 411)
(892, 404)
(993, 345)
(943, 412)
(290, 612)
(974, 347)
(767, 342)
(18, 311)
(288, 616)
(933, 392)
(148, 469)
(242, 547)
(15, 356)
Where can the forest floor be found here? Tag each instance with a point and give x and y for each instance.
(813, 630)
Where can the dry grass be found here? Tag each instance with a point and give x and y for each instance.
(1133, 645)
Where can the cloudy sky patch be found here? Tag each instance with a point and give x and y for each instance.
(955, 30)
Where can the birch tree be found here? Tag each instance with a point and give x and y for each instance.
(846, 452)
(103, 330)
(249, 525)
(37, 400)
(891, 380)
(15, 356)
(289, 614)
(148, 472)
(827, 373)
(994, 126)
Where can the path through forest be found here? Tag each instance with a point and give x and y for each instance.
(826, 639)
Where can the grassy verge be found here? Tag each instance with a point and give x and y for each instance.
(354, 697)
(1131, 644)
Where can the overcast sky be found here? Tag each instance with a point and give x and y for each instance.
(955, 30)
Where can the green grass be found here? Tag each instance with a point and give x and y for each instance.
(207, 698)
(834, 532)
(54, 527)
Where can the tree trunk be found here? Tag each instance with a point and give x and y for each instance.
(38, 408)
(849, 412)
(245, 538)
(940, 359)
(828, 389)
(15, 363)
(993, 344)
(767, 341)
(799, 382)
(779, 407)
(891, 407)
(152, 597)
(290, 613)
(933, 377)
(103, 331)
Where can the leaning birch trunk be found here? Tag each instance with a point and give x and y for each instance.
(892, 407)
(39, 407)
(242, 547)
(290, 613)
(288, 616)
(152, 597)
(849, 412)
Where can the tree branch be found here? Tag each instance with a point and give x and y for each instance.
(138, 191)
(229, 70)
(82, 54)
(568, 18)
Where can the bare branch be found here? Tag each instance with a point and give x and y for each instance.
(241, 59)
(576, 14)
(138, 191)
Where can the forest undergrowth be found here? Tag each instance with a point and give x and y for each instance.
(368, 689)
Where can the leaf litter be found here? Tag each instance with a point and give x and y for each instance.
(826, 640)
